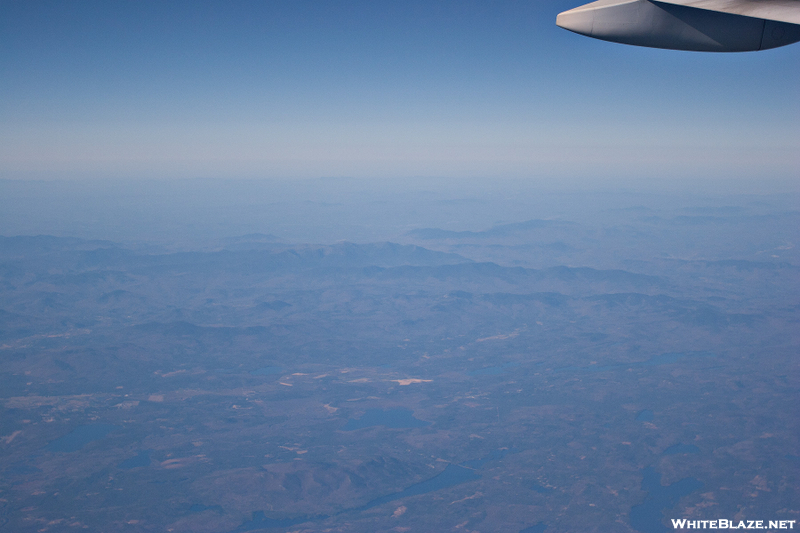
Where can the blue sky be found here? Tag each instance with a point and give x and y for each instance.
(379, 89)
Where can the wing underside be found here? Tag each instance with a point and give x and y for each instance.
(777, 10)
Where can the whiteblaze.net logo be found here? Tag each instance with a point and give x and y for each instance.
(732, 524)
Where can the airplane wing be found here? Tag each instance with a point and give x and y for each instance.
(700, 25)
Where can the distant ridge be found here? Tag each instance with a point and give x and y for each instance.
(503, 230)
(264, 255)
(719, 218)
(251, 241)
(26, 244)
(518, 275)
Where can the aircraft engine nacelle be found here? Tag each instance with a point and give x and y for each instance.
(665, 25)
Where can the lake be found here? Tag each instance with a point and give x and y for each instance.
(646, 517)
(451, 476)
(681, 448)
(390, 418)
(138, 461)
(80, 437)
(267, 371)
